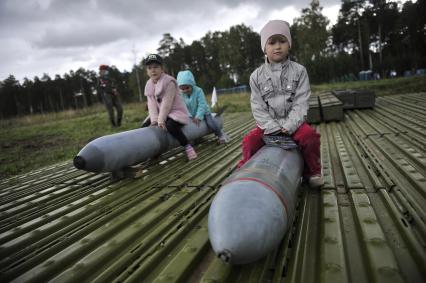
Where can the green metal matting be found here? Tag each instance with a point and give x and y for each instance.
(367, 224)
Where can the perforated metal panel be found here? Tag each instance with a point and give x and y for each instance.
(366, 225)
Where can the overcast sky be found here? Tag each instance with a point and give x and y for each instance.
(56, 36)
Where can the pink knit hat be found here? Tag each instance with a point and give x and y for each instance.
(272, 28)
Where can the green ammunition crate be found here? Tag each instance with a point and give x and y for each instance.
(331, 107)
(356, 98)
(364, 98)
(314, 111)
(347, 97)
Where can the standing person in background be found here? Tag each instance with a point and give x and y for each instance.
(279, 101)
(196, 103)
(110, 95)
(165, 106)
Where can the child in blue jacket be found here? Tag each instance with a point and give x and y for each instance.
(195, 101)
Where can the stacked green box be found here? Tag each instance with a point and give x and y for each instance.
(331, 107)
(364, 98)
(314, 112)
(356, 98)
(347, 97)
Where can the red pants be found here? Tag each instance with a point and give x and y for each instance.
(305, 136)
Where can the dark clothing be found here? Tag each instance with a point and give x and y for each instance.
(174, 128)
(111, 101)
(212, 124)
(111, 98)
(146, 122)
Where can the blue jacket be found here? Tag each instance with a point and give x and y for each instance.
(196, 102)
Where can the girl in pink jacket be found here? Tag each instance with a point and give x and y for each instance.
(165, 106)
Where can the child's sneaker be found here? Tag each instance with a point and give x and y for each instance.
(223, 138)
(316, 181)
(190, 152)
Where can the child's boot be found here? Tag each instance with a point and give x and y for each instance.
(190, 152)
(223, 138)
(316, 181)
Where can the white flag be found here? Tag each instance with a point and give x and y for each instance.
(214, 97)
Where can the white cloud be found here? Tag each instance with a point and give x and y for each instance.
(331, 12)
(288, 14)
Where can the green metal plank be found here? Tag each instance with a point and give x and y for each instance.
(353, 181)
(381, 261)
(332, 258)
(181, 265)
(327, 165)
(303, 266)
(408, 250)
(217, 272)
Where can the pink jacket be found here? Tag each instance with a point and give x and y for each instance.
(164, 100)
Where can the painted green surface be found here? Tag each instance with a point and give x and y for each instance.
(367, 224)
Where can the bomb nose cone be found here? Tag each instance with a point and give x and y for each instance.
(246, 222)
(79, 162)
(225, 256)
(90, 158)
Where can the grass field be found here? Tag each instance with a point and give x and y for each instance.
(30, 142)
(381, 87)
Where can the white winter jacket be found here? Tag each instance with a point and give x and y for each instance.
(280, 103)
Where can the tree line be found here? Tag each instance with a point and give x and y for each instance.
(383, 36)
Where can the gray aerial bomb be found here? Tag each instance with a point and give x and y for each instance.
(251, 212)
(114, 152)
